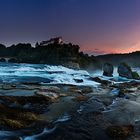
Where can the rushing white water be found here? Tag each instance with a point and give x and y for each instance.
(35, 137)
(63, 118)
(40, 73)
(16, 73)
(122, 111)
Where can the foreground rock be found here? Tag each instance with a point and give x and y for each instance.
(99, 80)
(108, 70)
(20, 112)
(81, 98)
(15, 118)
(51, 93)
(125, 71)
(80, 90)
(125, 85)
(87, 126)
(20, 101)
(120, 131)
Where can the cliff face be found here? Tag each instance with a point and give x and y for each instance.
(131, 58)
(52, 54)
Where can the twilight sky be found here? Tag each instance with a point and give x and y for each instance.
(98, 26)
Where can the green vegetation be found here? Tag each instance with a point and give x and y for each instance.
(16, 118)
(135, 75)
(126, 65)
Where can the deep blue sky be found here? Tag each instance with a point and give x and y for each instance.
(98, 26)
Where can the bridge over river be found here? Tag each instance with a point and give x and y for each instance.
(7, 59)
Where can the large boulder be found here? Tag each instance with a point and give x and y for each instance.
(99, 80)
(125, 70)
(108, 70)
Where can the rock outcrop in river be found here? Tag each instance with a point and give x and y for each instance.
(108, 70)
(125, 71)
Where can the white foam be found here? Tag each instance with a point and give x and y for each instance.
(63, 118)
(59, 74)
(44, 132)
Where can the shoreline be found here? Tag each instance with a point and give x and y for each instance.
(108, 110)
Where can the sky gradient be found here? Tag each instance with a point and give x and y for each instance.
(98, 26)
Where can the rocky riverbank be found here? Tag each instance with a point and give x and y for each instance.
(92, 112)
(84, 107)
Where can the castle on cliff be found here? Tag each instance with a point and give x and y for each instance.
(57, 40)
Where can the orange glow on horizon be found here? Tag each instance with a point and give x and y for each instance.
(121, 42)
(112, 50)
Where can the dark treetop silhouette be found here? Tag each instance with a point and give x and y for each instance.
(52, 52)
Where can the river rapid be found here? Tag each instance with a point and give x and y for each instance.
(84, 108)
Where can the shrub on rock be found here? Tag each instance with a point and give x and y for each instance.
(135, 75)
(125, 70)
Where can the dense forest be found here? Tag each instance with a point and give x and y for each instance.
(53, 54)
(129, 58)
(63, 54)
